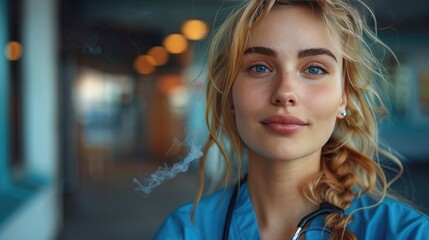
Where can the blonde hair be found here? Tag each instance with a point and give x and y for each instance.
(350, 159)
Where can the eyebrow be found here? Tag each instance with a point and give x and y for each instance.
(301, 54)
(316, 51)
(261, 50)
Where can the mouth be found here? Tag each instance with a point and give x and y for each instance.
(286, 120)
(283, 124)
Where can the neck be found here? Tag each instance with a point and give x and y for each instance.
(275, 188)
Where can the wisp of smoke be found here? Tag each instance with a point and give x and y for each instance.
(165, 173)
(92, 46)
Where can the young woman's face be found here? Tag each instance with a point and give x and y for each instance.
(289, 91)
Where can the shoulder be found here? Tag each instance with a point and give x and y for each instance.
(209, 214)
(388, 207)
(390, 219)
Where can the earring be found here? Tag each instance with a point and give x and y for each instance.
(343, 112)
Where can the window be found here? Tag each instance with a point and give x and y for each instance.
(15, 86)
(11, 153)
(4, 99)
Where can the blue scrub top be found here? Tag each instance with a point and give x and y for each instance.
(389, 220)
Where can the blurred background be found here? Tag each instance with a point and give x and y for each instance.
(94, 93)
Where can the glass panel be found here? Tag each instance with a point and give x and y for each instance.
(4, 98)
(15, 54)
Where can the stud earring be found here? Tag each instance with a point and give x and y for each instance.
(343, 112)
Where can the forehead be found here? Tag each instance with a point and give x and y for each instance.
(294, 27)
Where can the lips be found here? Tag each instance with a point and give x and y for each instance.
(283, 124)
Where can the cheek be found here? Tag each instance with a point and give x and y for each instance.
(247, 97)
(325, 102)
(323, 107)
(237, 102)
(239, 112)
(240, 101)
(247, 101)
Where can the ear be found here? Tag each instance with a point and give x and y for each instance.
(343, 106)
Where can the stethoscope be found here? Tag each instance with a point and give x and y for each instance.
(324, 209)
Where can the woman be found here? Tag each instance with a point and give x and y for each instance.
(292, 87)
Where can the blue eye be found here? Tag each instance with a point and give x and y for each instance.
(315, 70)
(260, 69)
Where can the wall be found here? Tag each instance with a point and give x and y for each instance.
(38, 215)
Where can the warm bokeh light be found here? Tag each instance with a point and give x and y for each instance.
(159, 54)
(13, 51)
(144, 64)
(168, 83)
(175, 43)
(195, 29)
(185, 58)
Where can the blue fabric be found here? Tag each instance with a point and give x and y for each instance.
(389, 220)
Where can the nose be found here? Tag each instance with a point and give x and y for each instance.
(284, 92)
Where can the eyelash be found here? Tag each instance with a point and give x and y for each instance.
(318, 65)
(253, 67)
